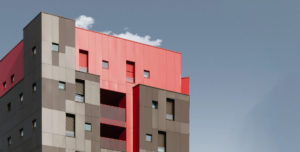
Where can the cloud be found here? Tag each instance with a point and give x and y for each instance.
(142, 39)
(85, 22)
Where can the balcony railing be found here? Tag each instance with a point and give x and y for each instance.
(79, 97)
(113, 115)
(112, 144)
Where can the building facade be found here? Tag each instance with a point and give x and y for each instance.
(69, 89)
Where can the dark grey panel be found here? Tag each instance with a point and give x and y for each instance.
(87, 76)
(66, 33)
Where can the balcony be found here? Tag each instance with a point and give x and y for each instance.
(113, 115)
(112, 144)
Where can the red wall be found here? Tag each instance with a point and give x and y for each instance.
(12, 63)
(164, 66)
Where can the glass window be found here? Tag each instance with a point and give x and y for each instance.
(146, 74)
(21, 131)
(34, 124)
(105, 64)
(12, 78)
(55, 47)
(83, 61)
(4, 85)
(148, 137)
(80, 86)
(61, 85)
(161, 141)
(154, 104)
(70, 125)
(130, 71)
(34, 87)
(33, 51)
(8, 107)
(170, 109)
(88, 127)
(21, 97)
(9, 140)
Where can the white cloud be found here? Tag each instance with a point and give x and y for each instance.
(85, 22)
(142, 39)
(107, 32)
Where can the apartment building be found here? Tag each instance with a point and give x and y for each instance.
(65, 88)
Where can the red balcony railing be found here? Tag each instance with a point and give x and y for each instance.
(113, 115)
(112, 144)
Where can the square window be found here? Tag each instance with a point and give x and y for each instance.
(61, 85)
(34, 87)
(146, 74)
(4, 85)
(33, 51)
(148, 137)
(21, 131)
(105, 64)
(21, 97)
(154, 104)
(12, 78)
(88, 127)
(8, 107)
(55, 47)
(9, 142)
(34, 124)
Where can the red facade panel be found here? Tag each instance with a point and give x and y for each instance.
(12, 67)
(185, 85)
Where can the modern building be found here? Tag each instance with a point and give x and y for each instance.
(69, 89)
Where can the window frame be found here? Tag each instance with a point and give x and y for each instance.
(154, 104)
(88, 124)
(34, 51)
(12, 78)
(61, 83)
(34, 123)
(21, 132)
(145, 72)
(34, 88)
(149, 136)
(105, 62)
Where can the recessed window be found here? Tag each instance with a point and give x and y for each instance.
(105, 64)
(88, 127)
(55, 47)
(4, 85)
(161, 147)
(146, 74)
(21, 132)
(170, 109)
(130, 71)
(70, 125)
(154, 104)
(61, 85)
(9, 140)
(12, 78)
(8, 107)
(33, 51)
(79, 95)
(34, 88)
(148, 137)
(34, 123)
(83, 61)
(21, 97)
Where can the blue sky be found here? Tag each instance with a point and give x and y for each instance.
(242, 57)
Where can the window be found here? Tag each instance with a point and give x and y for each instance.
(34, 87)
(21, 97)
(88, 127)
(8, 106)
(161, 141)
(70, 125)
(83, 61)
(105, 64)
(55, 47)
(21, 132)
(4, 85)
(146, 74)
(148, 137)
(79, 95)
(33, 50)
(170, 109)
(9, 140)
(154, 104)
(34, 124)
(61, 85)
(12, 78)
(130, 71)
